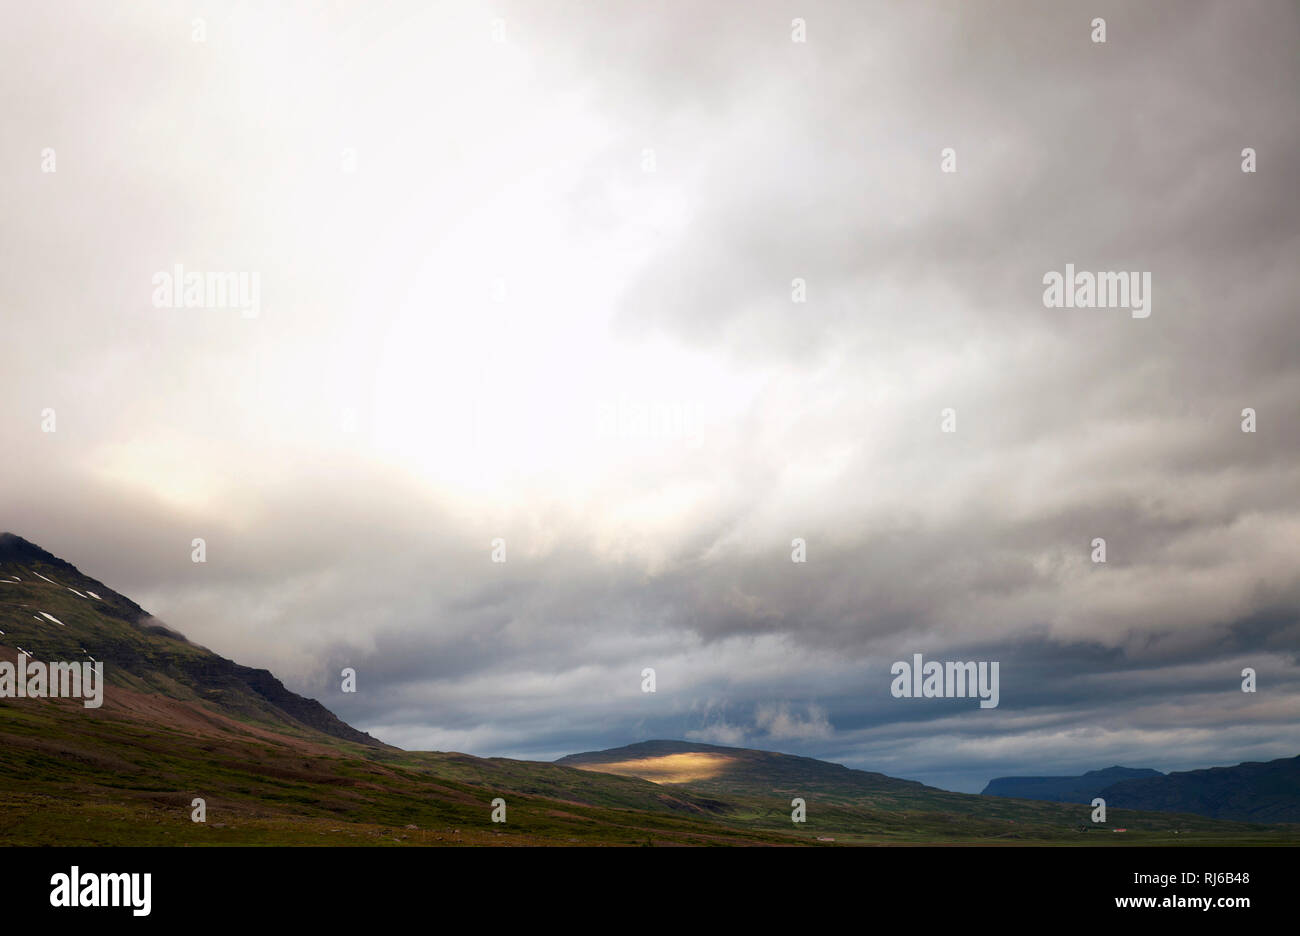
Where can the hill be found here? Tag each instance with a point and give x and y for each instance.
(740, 770)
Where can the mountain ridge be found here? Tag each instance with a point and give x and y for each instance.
(148, 654)
(1252, 791)
(1065, 789)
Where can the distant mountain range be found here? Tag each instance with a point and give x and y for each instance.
(1252, 792)
(179, 723)
(1080, 789)
(1249, 792)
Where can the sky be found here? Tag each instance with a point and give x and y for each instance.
(648, 292)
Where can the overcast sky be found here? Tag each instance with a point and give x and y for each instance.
(526, 272)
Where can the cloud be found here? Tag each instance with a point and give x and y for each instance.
(781, 724)
(719, 733)
(502, 297)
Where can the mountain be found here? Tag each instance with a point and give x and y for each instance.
(1081, 789)
(91, 621)
(180, 724)
(1249, 792)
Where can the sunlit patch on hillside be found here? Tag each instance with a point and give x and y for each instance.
(670, 768)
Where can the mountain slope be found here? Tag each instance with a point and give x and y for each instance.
(91, 621)
(1081, 789)
(1250, 792)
